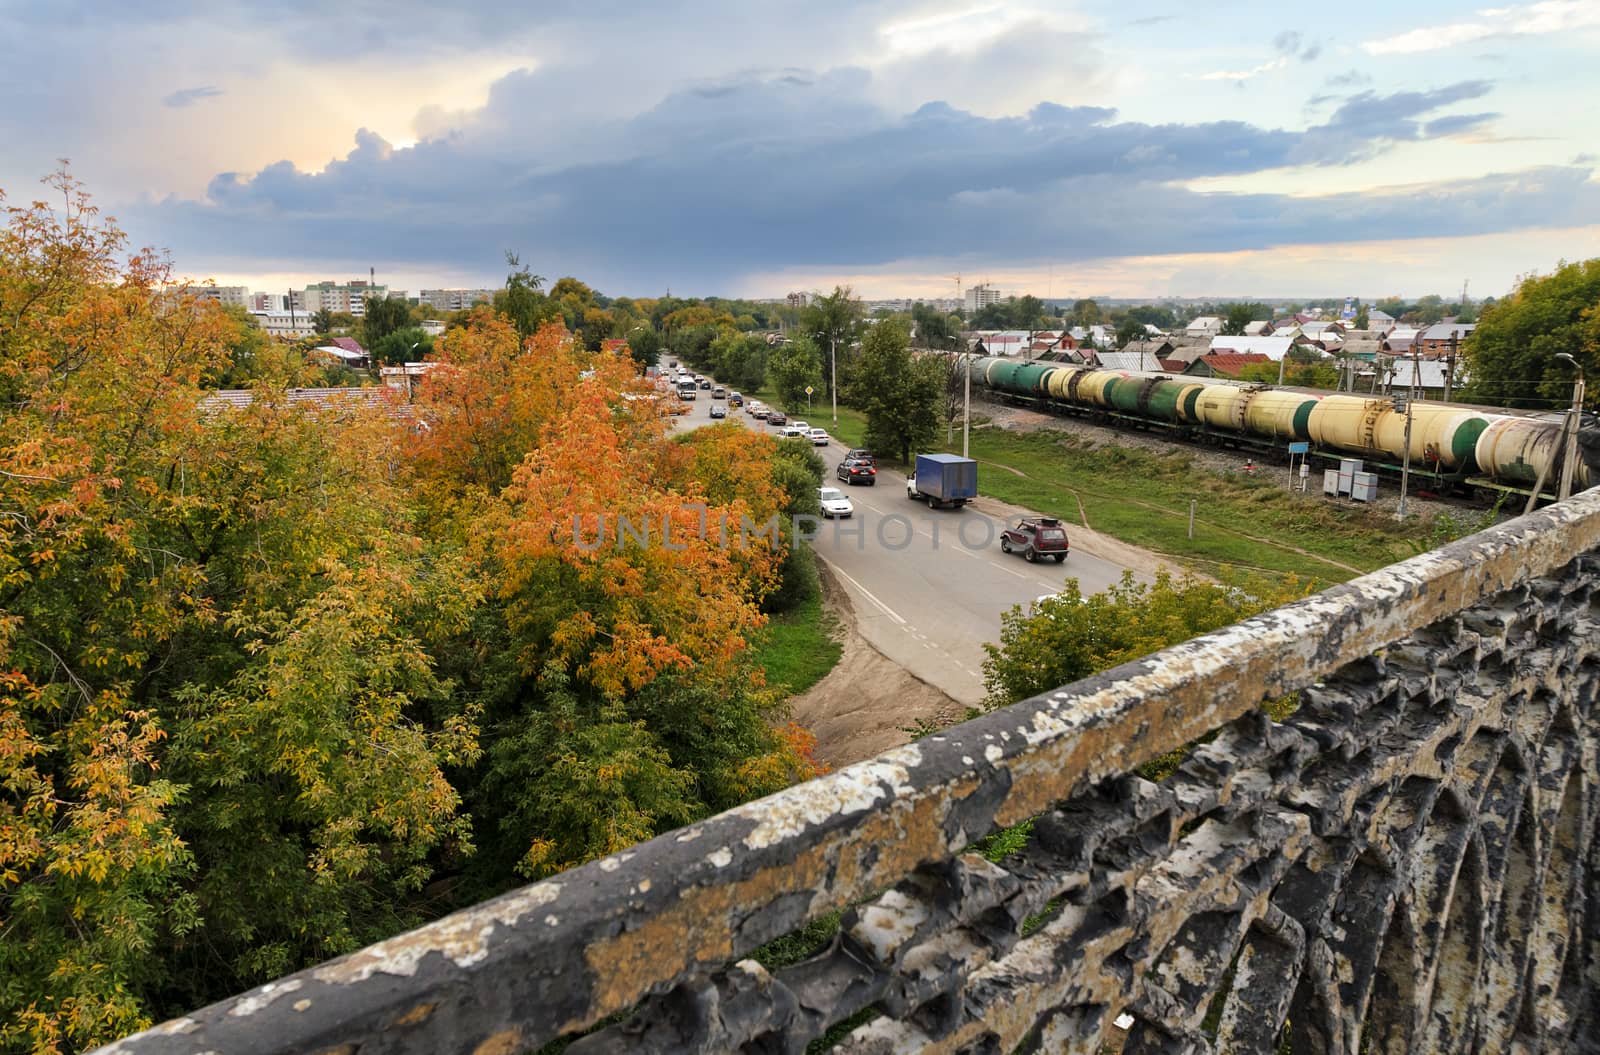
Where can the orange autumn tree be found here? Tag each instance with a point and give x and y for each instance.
(222, 738)
(486, 403)
(632, 574)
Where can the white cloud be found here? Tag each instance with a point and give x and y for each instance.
(1243, 75)
(1545, 17)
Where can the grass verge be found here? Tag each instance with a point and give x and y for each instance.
(799, 647)
(1142, 497)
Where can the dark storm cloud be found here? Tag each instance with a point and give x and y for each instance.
(761, 173)
(189, 96)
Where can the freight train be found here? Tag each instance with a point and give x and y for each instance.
(1459, 447)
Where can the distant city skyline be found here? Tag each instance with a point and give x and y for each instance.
(1131, 147)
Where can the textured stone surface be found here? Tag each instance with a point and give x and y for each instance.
(1406, 863)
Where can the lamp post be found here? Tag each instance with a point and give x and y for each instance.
(833, 377)
(1569, 429)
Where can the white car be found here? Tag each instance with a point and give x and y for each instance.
(794, 432)
(754, 407)
(804, 426)
(834, 502)
(819, 437)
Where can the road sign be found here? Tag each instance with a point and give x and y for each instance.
(809, 390)
(1299, 448)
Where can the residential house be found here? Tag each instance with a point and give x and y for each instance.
(1431, 377)
(1399, 340)
(1273, 348)
(1364, 348)
(1318, 331)
(1128, 362)
(1258, 328)
(1188, 348)
(1152, 353)
(1224, 364)
(1379, 320)
(404, 378)
(1444, 338)
(1204, 326)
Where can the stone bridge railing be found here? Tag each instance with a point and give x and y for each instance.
(1407, 862)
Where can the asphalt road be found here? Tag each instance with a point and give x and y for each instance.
(928, 585)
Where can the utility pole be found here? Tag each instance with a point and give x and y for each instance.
(1450, 359)
(1569, 456)
(1405, 466)
(966, 399)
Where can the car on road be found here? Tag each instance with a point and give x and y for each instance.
(819, 437)
(835, 503)
(705, 382)
(856, 471)
(735, 399)
(1036, 537)
(719, 393)
(777, 417)
(793, 431)
(718, 410)
(861, 454)
(803, 426)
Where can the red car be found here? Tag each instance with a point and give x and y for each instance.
(1037, 537)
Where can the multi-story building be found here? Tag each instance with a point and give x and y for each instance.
(267, 302)
(235, 295)
(285, 323)
(454, 299)
(349, 297)
(981, 295)
(798, 300)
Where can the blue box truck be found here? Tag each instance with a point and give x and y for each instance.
(944, 481)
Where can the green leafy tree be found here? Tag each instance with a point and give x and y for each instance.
(1073, 635)
(900, 393)
(1027, 313)
(1086, 313)
(1235, 317)
(523, 301)
(832, 321)
(1129, 329)
(936, 329)
(322, 320)
(645, 344)
(1511, 356)
(1362, 320)
(403, 346)
(384, 316)
(793, 366)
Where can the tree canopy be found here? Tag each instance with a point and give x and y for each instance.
(282, 679)
(1511, 355)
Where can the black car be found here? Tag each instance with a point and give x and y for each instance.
(777, 417)
(705, 382)
(860, 454)
(1037, 537)
(857, 471)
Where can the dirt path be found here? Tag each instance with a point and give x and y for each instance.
(858, 709)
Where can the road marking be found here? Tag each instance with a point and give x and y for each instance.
(890, 612)
(1008, 571)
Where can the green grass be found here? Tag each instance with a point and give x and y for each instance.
(1142, 497)
(851, 430)
(798, 648)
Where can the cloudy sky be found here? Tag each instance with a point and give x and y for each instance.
(1114, 147)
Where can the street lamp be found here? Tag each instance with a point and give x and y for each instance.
(1569, 429)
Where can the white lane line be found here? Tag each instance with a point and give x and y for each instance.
(1007, 570)
(890, 612)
